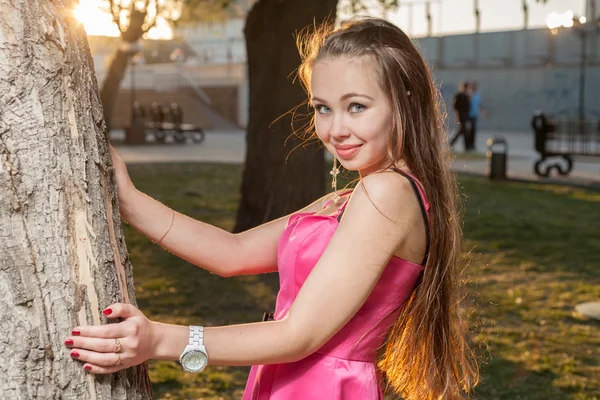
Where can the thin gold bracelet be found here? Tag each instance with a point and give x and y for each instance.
(170, 226)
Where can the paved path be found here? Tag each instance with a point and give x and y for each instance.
(230, 147)
(218, 147)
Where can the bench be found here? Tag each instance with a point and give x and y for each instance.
(563, 139)
(162, 123)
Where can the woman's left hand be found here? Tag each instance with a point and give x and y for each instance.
(110, 348)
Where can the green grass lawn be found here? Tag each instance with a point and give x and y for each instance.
(532, 254)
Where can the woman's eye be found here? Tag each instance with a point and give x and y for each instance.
(321, 109)
(355, 107)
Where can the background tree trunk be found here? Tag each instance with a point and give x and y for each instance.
(112, 83)
(62, 251)
(277, 180)
(118, 66)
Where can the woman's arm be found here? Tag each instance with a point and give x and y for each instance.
(375, 226)
(214, 249)
(201, 244)
(204, 245)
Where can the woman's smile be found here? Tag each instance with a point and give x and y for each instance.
(347, 151)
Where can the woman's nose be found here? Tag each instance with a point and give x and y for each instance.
(339, 128)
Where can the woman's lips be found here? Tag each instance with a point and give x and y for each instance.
(346, 152)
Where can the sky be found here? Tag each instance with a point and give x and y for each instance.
(448, 16)
(456, 16)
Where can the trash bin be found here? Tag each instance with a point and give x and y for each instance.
(496, 154)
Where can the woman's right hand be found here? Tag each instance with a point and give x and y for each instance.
(125, 187)
(130, 341)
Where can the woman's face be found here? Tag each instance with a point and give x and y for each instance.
(353, 116)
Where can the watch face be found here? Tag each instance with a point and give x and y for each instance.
(194, 361)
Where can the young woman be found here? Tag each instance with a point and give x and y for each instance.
(361, 271)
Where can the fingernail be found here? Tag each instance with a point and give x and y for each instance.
(74, 354)
(68, 342)
(87, 368)
(75, 332)
(108, 311)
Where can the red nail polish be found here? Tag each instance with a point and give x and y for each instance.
(87, 368)
(68, 342)
(108, 311)
(74, 354)
(75, 332)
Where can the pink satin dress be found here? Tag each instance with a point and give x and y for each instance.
(345, 367)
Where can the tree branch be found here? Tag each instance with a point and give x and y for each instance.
(159, 10)
(117, 16)
(150, 26)
(153, 24)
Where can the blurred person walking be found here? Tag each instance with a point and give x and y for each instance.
(462, 106)
(475, 110)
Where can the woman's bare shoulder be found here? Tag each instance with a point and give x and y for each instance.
(390, 195)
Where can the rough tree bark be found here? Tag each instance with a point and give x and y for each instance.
(62, 251)
(277, 180)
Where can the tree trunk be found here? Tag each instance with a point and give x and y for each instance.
(112, 83)
(277, 180)
(62, 252)
(118, 66)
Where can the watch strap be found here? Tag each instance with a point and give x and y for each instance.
(196, 336)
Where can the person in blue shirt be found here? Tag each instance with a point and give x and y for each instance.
(475, 109)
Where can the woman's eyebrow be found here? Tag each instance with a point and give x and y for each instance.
(352, 94)
(344, 97)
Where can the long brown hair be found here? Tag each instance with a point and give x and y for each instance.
(427, 355)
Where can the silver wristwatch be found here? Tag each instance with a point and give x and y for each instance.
(194, 357)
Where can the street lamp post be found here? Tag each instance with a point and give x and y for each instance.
(582, 65)
(132, 67)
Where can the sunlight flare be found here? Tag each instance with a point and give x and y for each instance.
(97, 21)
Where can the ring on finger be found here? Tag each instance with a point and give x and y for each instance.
(118, 360)
(117, 347)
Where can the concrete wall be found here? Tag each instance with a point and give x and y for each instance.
(218, 42)
(518, 72)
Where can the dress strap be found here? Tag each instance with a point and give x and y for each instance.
(340, 211)
(341, 195)
(423, 204)
(418, 187)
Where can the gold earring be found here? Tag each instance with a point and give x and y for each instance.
(334, 173)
